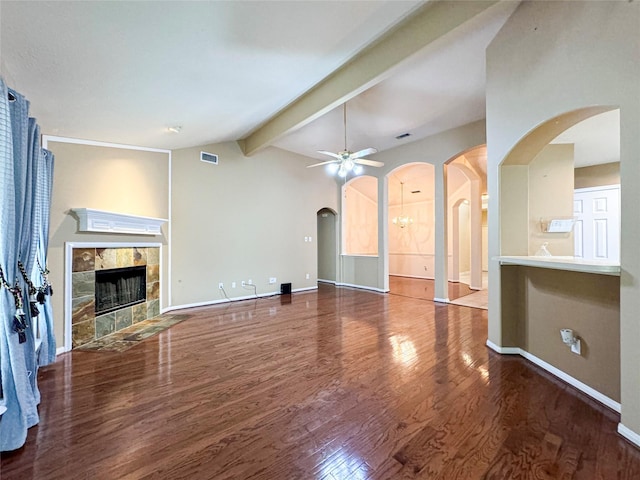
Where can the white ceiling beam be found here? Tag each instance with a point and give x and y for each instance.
(369, 67)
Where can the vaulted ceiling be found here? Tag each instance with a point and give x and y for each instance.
(265, 73)
(261, 73)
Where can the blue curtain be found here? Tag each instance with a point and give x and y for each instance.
(24, 221)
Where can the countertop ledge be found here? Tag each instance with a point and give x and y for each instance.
(563, 263)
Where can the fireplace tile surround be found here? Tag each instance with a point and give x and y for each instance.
(85, 325)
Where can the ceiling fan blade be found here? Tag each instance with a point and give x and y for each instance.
(331, 154)
(364, 153)
(370, 163)
(322, 163)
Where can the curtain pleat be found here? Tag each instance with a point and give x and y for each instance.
(47, 351)
(25, 192)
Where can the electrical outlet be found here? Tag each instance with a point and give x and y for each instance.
(220, 285)
(233, 284)
(307, 276)
(250, 282)
(243, 283)
(272, 280)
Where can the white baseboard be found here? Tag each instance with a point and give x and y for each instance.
(503, 350)
(362, 287)
(441, 300)
(574, 382)
(215, 302)
(420, 277)
(322, 280)
(305, 289)
(232, 299)
(629, 434)
(61, 350)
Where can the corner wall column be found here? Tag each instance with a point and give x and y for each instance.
(476, 235)
(441, 287)
(383, 233)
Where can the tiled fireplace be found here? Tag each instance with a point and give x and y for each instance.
(86, 326)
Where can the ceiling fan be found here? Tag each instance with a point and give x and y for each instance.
(347, 161)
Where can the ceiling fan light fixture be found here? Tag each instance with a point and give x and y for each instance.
(345, 161)
(348, 164)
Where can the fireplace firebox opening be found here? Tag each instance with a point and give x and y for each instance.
(119, 288)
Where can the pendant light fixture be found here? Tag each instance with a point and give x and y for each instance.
(402, 220)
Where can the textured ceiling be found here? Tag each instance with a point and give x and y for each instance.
(125, 71)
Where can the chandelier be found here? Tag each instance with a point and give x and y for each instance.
(402, 220)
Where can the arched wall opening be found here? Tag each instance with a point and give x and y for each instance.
(536, 185)
(467, 180)
(539, 295)
(411, 230)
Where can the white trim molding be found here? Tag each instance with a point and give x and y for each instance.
(362, 287)
(565, 377)
(304, 289)
(629, 434)
(207, 303)
(441, 300)
(503, 350)
(94, 143)
(101, 221)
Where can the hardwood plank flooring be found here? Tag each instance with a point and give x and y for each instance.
(329, 385)
(423, 288)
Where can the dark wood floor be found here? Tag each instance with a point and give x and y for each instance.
(338, 384)
(424, 288)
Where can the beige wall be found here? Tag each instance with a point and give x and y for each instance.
(597, 175)
(514, 210)
(551, 196)
(113, 179)
(585, 57)
(245, 218)
(548, 300)
(361, 271)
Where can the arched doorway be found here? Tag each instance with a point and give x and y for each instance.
(411, 226)
(467, 213)
(327, 236)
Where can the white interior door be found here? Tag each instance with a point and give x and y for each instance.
(597, 229)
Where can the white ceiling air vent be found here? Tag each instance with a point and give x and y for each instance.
(209, 157)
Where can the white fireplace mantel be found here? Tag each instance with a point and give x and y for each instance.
(90, 220)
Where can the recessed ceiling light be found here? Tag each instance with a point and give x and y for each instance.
(176, 129)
